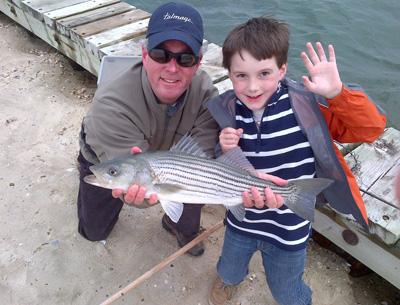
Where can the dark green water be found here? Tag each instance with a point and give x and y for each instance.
(365, 34)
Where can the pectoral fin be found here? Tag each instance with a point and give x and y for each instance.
(238, 211)
(173, 209)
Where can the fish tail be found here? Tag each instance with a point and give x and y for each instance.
(302, 200)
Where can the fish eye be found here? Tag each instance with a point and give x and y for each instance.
(112, 171)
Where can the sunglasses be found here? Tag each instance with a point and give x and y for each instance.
(183, 59)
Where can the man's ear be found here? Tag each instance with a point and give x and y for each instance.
(200, 59)
(145, 54)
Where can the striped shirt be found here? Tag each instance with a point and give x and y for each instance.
(278, 147)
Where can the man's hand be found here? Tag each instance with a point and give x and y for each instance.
(269, 198)
(229, 138)
(136, 193)
(323, 73)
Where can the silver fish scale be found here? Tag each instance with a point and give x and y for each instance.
(207, 176)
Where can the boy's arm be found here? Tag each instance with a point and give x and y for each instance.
(353, 117)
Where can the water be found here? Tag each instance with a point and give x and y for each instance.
(365, 35)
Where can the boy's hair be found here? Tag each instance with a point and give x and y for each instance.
(262, 37)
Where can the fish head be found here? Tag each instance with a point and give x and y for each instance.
(113, 174)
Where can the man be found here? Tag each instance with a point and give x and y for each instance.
(150, 106)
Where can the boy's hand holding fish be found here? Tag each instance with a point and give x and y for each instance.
(229, 139)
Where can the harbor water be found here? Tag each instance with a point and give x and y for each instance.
(365, 35)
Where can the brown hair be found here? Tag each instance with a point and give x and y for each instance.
(262, 37)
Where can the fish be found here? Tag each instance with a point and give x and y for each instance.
(185, 173)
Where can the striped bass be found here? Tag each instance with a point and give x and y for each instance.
(186, 174)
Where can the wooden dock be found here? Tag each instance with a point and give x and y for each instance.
(86, 31)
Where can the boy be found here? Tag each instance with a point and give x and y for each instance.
(285, 129)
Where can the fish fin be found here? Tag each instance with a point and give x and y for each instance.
(188, 145)
(302, 200)
(173, 209)
(235, 157)
(238, 211)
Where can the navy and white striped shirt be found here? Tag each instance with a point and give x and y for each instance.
(278, 147)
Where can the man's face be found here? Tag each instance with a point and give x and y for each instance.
(168, 81)
(255, 81)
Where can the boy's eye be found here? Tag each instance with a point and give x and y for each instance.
(241, 75)
(264, 73)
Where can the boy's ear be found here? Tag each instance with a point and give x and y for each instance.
(282, 71)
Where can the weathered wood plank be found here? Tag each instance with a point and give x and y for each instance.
(216, 73)
(113, 36)
(384, 218)
(130, 47)
(60, 42)
(224, 85)
(15, 13)
(37, 8)
(374, 168)
(382, 259)
(80, 8)
(65, 25)
(370, 162)
(213, 55)
(115, 21)
(346, 148)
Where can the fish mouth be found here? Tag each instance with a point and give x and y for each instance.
(92, 179)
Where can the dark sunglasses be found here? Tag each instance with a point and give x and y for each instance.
(183, 59)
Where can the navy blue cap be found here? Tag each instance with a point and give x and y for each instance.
(176, 21)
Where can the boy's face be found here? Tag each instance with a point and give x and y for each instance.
(255, 81)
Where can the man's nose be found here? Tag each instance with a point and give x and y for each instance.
(172, 65)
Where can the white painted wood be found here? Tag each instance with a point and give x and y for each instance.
(224, 85)
(16, 2)
(52, 16)
(113, 36)
(383, 260)
(369, 162)
(61, 43)
(346, 148)
(37, 8)
(374, 166)
(15, 13)
(213, 55)
(384, 219)
(131, 47)
(216, 73)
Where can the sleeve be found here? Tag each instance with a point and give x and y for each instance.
(353, 117)
(111, 129)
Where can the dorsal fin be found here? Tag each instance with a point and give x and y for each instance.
(188, 145)
(236, 157)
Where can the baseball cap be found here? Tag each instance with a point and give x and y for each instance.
(176, 21)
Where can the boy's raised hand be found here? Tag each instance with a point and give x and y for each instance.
(323, 76)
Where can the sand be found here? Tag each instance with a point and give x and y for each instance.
(43, 259)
